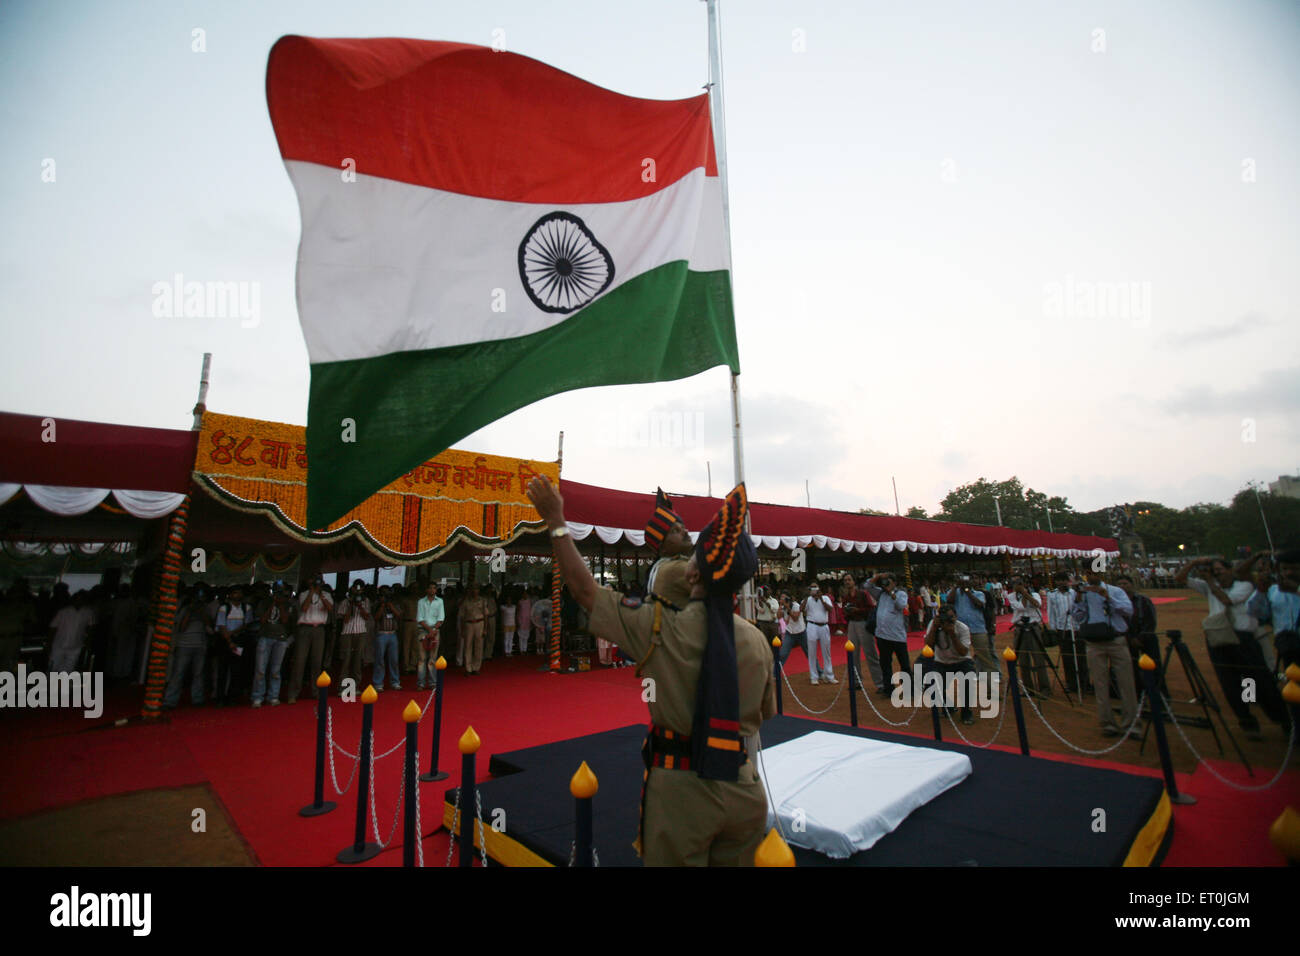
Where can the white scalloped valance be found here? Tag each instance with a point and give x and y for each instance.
(69, 502)
(636, 538)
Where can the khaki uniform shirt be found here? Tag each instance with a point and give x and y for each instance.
(678, 652)
(472, 609)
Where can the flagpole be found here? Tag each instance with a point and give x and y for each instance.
(718, 116)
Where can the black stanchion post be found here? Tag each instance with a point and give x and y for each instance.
(440, 666)
(583, 786)
(776, 672)
(319, 804)
(360, 850)
(410, 836)
(1009, 656)
(928, 653)
(851, 652)
(469, 744)
(1152, 681)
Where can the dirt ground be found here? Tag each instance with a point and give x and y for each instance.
(1078, 723)
(123, 830)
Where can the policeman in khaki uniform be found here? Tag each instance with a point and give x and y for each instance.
(702, 800)
(665, 533)
(473, 615)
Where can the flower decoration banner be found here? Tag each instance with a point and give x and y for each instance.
(255, 465)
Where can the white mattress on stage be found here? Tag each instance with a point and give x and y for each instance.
(838, 794)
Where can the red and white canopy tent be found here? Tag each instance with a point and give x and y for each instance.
(618, 517)
(110, 478)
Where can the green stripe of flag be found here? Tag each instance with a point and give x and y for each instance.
(665, 324)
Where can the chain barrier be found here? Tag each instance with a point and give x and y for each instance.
(334, 778)
(454, 830)
(401, 743)
(482, 843)
(872, 704)
(805, 706)
(419, 826)
(1290, 747)
(1083, 750)
(374, 817)
(1002, 716)
(573, 854)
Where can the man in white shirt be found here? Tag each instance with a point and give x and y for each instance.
(1062, 632)
(1241, 662)
(766, 611)
(315, 609)
(70, 626)
(430, 614)
(817, 613)
(1027, 623)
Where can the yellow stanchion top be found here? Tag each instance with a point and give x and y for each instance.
(412, 712)
(1008, 654)
(927, 651)
(773, 851)
(369, 695)
(1146, 663)
(440, 663)
(776, 642)
(1291, 692)
(849, 647)
(323, 680)
(1293, 672)
(1285, 834)
(583, 783)
(469, 742)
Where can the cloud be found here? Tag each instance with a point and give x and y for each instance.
(1276, 390)
(1217, 333)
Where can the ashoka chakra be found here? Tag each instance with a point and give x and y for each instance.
(561, 264)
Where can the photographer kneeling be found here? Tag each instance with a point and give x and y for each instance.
(954, 653)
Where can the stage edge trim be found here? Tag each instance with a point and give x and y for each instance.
(1147, 844)
(503, 849)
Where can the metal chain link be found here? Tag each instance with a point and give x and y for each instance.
(454, 830)
(1290, 747)
(805, 706)
(334, 778)
(573, 854)
(1002, 707)
(482, 843)
(1083, 750)
(329, 733)
(872, 704)
(374, 817)
(419, 826)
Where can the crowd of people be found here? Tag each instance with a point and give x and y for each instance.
(266, 642)
(1100, 628)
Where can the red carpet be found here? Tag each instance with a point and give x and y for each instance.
(260, 762)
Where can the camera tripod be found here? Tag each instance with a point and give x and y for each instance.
(1201, 694)
(1026, 634)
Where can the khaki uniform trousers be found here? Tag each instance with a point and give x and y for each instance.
(410, 645)
(1106, 658)
(473, 646)
(690, 821)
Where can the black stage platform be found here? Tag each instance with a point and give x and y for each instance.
(1011, 811)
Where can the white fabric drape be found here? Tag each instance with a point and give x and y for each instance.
(149, 504)
(7, 491)
(64, 501)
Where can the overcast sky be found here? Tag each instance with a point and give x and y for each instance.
(1060, 241)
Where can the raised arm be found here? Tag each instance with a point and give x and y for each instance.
(577, 576)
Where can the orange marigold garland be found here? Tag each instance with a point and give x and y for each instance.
(164, 618)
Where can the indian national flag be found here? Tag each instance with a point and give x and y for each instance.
(479, 231)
